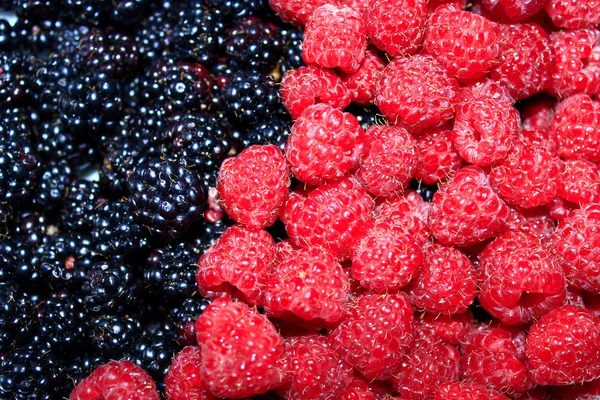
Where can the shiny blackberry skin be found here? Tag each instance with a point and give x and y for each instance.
(80, 368)
(97, 12)
(37, 35)
(51, 80)
(109, 287)
(50, 189)
(166, 197)
(155, 35)
(184, 318)
(17, 318)
(8, 37)
(145, 126)
(19, 169)
(68, 38)
(254, 44)
(251, 97)
(62, 322)
(367, 116)
(426, 191)
(119, 162)
(199, 36)
(30, 228)
(35, 9)
(273, 131)
(81, 198)
(112, 335)
(20, 266)
(16, 74)
(205, 235)
(237, 9)
(292, 49)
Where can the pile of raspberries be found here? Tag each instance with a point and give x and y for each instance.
(489, 291)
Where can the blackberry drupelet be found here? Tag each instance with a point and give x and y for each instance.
(292, 49)
(119, 162)
(30, 228)
(35, 9)
(97, 12)
(48, 194)
(62, 322)
(144, 125)
(272, 131)
(79, 368)
(8, 37)
(109, 287)
(367, 116)
(426, 191)
(20, 266)
(19, 169)
(238, 9)
(68, 38)
(37, 35)
(251, 97)
(184, 318)
(81, 199)
(254, 44)
(205, 235)
(17, 318)
(155, 35)
(16, 72)
(51, 81)
(166, 197)
(112, 335)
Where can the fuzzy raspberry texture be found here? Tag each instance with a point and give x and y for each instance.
(466, 44)
(437, 159)
(396, 26)
(116, 380)
(536, 221)
(316, 371)
(576, 68)
(362, 83)
(387, 257)
(559, 208)
(576, 243)
(483, 88)
(335, 37)
(446, 283)
(390, 160)
(242, 352)
(563, 347)
(519, 279)
(526, 62)
(467, 391)
(310, 85)
(376, 333)
(297, 12)
(307, 284)
(575, 128)
(183, 381)
(416, 92)
(253, 186)
(409, 212)
(490, 358)
(450, 329)
(238, 264)
(529, 175)
(573, 14)
(513, 10)
(325, 143)
(360, 389)
(466, 210)
(335, 216)
(579, 182)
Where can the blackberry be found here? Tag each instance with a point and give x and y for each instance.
(17, 318)
(81, 198)
(254, 44)
(184, 318)
(237, 9)
(119, 162)
(80, 368)
(109, 286)
(19, 265)
(96, 12)
(166, 197)
(50, 189)
(35, 9)
(16, 72)
(62, 322)
(292, 49)
(30, 228)
(113, 334)
(205, 235)
(367, 116)
(37, 35)
(145, 125)
(8, 36)
(426, 191)
(19, 168)
(68, 38)
(199, 36)
(273, 131)
(251, 97)
(155, 35)
(6, 216)
(51, 82)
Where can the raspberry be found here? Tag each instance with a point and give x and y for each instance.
(416, 92)
(573, 14)
(306, 86)
(335, 37)
(408, 211)
(334, 216)
(390, 161)
(519, 280)
(183, 381)
(529, 176)
(242, 353)
(526, 61)
(363, 82)
(446, 284)
(563, 347)
(576, 68)
(116, 380)
(581, 298)
(537, 112)
(253, 186)
(297, 12)
(238, 264)
(576, 243)
(307, 284)
(536, 221)
(360, 389)
(396, 26)
(317, 371)
(375, 334)
(559, 209)
(578, 391)
(575, 128)
(466, 44)
(513, 10)
(437, 159)
(483, 88)
(466, 210)
(579, 182)
(386, 258)
(325, 143)
(466, 391)
(451, 329)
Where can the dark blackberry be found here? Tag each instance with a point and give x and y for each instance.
(155, 34)
(62, 322)
(8, 36)
(37, 35)
(366, 116)
(31, 228)
(199, 36)
(112, 335)
(19, 168)
(292, 49)
(16, 73)
(17, 318)
(109, 287)
(119, 162)
(51, 82)
(35, 9)
(81, 199)
(80, 368)
(6, 216)
(68, 38)
(19, 265)
(97, 12)
(251, 97)
(238, 9)
(272, 131)
(166, 197)
(426, 191)
(206, 234)
(254, 44)
(184, 318)
(50, 189)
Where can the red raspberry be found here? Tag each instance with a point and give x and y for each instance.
(519, 279)
(579, 182)
(375, 334)
(357, 5)
(437, 159)
(526, 62)
(386, 258)
(360, 389)
(396, 26)
(253, 186)
(563, 347)
(241, 350)
(490, 358)
(529, 175)
(317, 372)
(450, 329)
(467, 45)
(409, 212)
(559, 208)
(576, 68)
(238, 264)
(537, 113)
(576, 243)
(416, 92)
(575, 128)
(297, 12)
(466, 210)
(116, 380)
(335, 37)
(513, 10)
(325, 143)
(466, 391)
(535, 221)
(581, 298)
(579, 391)
(183, 381)
(432, 5)
(307, 284)
(447, 283)
(363, 82)
(307, 86)
(573, 14)
(334, 216)
(390, 161)
(485, 88)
